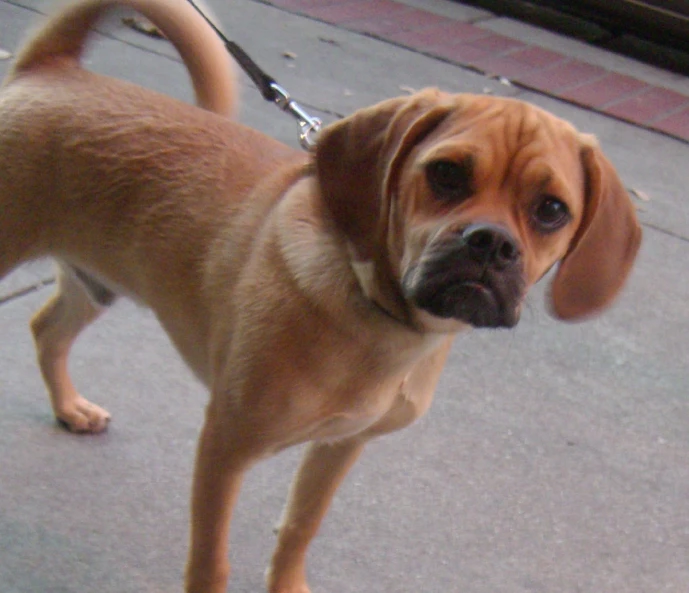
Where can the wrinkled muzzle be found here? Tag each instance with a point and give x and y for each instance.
(474, 276)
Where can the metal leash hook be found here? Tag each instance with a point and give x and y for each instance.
(271, 90)
(308, 125)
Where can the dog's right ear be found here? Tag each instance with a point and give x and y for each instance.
(357, 157)
(602, 253)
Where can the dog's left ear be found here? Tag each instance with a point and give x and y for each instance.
(357, 159)
(604, 247)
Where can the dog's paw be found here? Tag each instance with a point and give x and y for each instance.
(83, 417)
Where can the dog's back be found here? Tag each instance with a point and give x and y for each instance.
(86, 147)
(126, 185)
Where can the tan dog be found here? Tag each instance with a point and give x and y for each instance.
(316, 295)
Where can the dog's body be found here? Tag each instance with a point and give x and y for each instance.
(315, 295)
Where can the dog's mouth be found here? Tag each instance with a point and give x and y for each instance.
(462, 291)
(469, 301)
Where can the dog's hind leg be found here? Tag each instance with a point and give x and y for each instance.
(79, 300)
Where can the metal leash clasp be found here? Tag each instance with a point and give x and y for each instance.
(271, 90)
(308, 125)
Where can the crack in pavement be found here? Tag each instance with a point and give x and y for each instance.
(667, 232)
(21, 292)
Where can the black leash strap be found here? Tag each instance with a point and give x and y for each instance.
(271, 90)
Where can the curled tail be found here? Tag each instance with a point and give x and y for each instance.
(63, 38)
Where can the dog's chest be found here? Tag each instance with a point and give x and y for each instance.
(396, 406)
(343, 425)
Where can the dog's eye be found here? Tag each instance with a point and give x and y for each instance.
(450, 180)
(551, 214)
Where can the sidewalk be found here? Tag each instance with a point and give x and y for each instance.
(522, 54)
(555, 458)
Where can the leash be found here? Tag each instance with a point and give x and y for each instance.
(270, 90)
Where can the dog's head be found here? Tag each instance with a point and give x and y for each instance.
(454, 205)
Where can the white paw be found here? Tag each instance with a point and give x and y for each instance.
(83, 417)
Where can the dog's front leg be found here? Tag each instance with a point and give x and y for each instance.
(222, 459)
(322, 469)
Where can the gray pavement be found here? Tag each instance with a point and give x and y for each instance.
(555, 457)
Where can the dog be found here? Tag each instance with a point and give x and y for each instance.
(315, 294)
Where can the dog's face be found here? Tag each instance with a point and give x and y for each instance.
(453, 206)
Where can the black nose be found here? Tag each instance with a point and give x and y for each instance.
(489, 243)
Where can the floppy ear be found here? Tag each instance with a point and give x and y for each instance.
(603, 250)
(356, 158)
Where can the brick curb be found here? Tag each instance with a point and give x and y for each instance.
(525, 65)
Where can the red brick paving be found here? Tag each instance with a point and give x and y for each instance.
(538, 57)
(411, 19)
(345, 12)
(496, 44)
(676, 125)
(649, 105)
(446, 34)
(462, 53)
(518, 63)
(504, 66)
(526, 65)
(563, 76)
(303, 5)
(612, 87)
